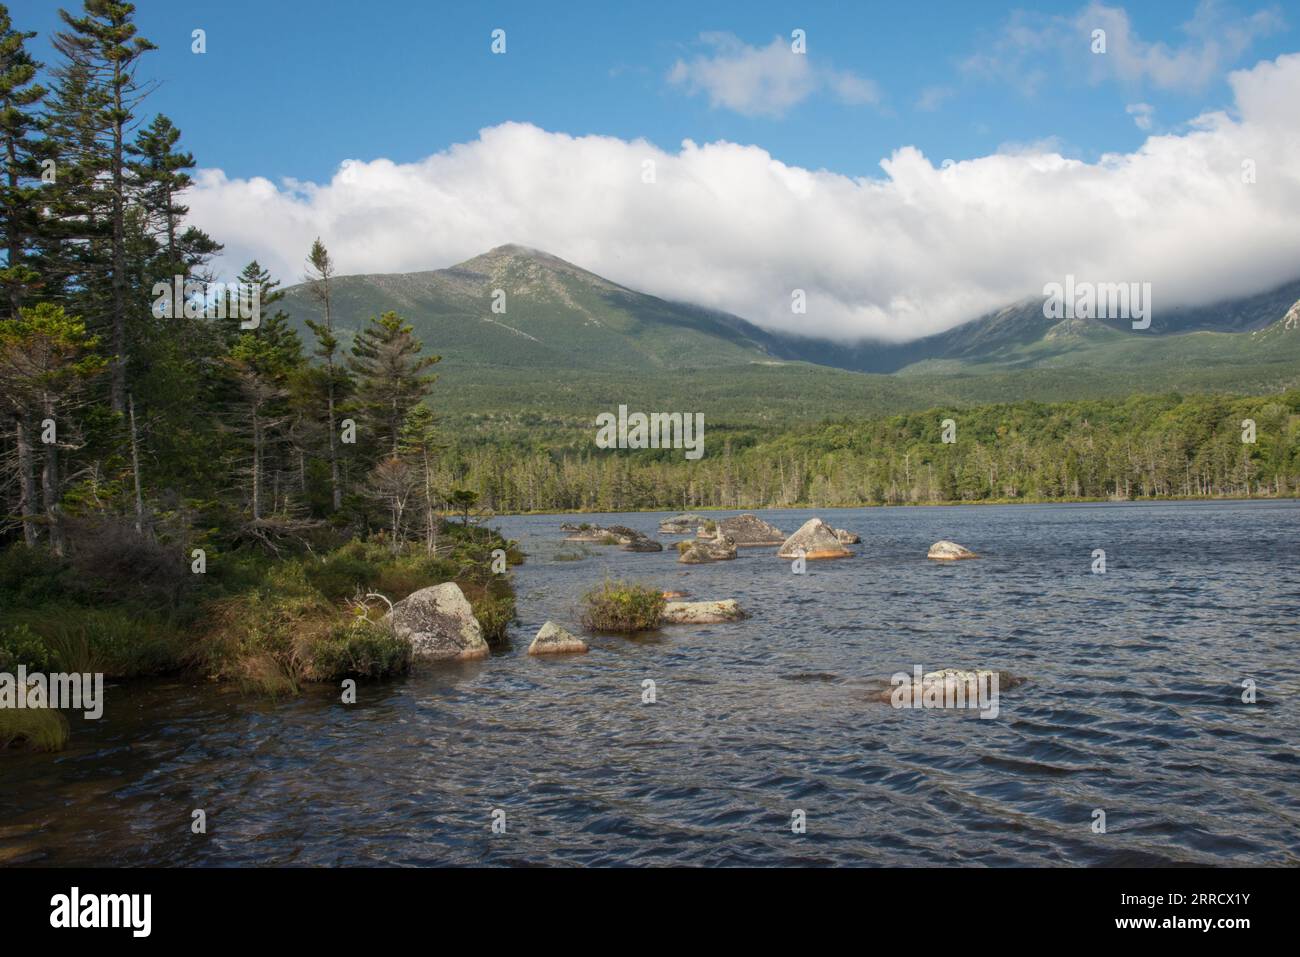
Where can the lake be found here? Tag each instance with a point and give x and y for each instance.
(1132, 706)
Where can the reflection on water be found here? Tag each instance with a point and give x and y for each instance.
(1132, 705)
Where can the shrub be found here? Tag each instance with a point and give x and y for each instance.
(19, 645)
(120, 641)
(30, 576)
(41, 729)
(362, 648)
(620, 606)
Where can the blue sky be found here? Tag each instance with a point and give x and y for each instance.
(391, 131)
(291, 89)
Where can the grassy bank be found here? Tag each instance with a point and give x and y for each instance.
(268, 623)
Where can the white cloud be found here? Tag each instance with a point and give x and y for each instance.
(1215, 39)
(725, 225)
(933, 97)
(764, 81)
(1142, 114)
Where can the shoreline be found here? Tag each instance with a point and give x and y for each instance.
(1172, 499)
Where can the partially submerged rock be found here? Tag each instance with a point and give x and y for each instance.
(682, 524)
(701, 612)
(748, 531)
(439, 624)
(946, 551)
(947, 682)
(641, 544)
(554, 640)
(846, 537)
(707, 550)
(673, 595)
(629, 539)
(814, 540)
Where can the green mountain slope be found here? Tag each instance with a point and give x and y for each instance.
(556, 316)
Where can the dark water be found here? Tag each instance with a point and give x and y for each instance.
(1133, 705)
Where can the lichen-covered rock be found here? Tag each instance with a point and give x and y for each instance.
(946, 551)
(682, 524)
(701, 612)
(439, 624)
(707, 550)
(748, 531)
(553, 640)
(629, 539)
(814, 540)
(846, 537)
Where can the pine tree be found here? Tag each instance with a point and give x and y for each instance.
(391, 378)
(20, 97)
(158, 177)
(319, 274)
(45, 358)
(104, 45)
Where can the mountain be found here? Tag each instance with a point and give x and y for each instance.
(1020, 336)
(555, 316)
(570, 343)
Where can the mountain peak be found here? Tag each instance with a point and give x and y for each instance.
(524, 264)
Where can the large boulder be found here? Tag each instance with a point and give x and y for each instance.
(814, 540)
(554, 640)
(682, 524)
(748, 531)
(439, 624)
(701, 612)
(846, 538)
(946, 551)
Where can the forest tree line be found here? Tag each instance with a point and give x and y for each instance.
(1142, 447)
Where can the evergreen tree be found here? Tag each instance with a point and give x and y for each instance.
(103, 47)
(320, 271)
(390, 378)
(20, 97)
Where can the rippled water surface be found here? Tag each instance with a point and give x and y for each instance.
(1132, 705)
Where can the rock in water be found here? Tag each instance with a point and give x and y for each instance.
(947, 681)
(815, 539)
(946, 551)
(630, 540)
(707, 550)
(749, 530)
(641, 544)
(554, 640)
(846, 538)
(682, 524)
(439, 623)
(701, 612)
